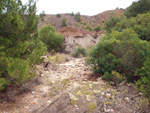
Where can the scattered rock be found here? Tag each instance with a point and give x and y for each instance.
(127, 99)
(49, 101)
(108, 95)
(140, 94)
(103, 93)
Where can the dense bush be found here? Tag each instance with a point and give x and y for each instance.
(122, 52)
(20, 48)
(110, 24)
(144, 82)
(140, 24)
(79, 51)
(64, 22)
(138, 7)
(53, 40)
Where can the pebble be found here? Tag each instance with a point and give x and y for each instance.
(103, 93)
(49, 101)
(127, 99)
(108, 95)
(33, 92)
(140, 94)
(111, 110)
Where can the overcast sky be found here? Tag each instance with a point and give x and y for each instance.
(85, 7)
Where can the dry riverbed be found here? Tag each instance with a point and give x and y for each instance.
(68, 87)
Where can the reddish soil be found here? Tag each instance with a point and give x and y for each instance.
(72, 31)
(78, 28)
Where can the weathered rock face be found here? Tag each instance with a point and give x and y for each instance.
(72, 42)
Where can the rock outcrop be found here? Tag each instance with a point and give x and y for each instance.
(72, 42)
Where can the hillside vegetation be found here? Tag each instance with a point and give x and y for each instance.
(77, 20)
(124, 53)
(111, 74)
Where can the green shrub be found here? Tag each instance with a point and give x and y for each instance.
(58, 15)
(144, 82)
(117, 77)
(79, 51)
(139, 24)
(53, 40)
(64, 22)
(110, 24)
(107, 76)
(94, 20)
(97, 28)
(76, 24)
(20, 48)
(122, 52)
(88, 27)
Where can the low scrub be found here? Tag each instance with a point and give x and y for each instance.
(64, 22)
(79, 51)
(97, 28)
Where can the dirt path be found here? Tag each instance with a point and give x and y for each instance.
(66, 88)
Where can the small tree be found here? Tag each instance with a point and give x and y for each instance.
(72, 14)
(53, 40)
(20, 48)
(64, 22)
(88, 27)
(42, 15)
(78, 17)
(58, 15)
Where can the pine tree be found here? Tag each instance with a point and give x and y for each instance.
(19, 45)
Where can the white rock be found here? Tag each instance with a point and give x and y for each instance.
(108, 95)
(103, 93)
(72, 96)
(127, 99)
(140, 94)
(33, 92)
(111, 110)
(88, 97)
(49, 101)
(107, 110)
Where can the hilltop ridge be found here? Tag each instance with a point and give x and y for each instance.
(86, 23)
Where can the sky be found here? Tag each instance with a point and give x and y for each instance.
(85, 7)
